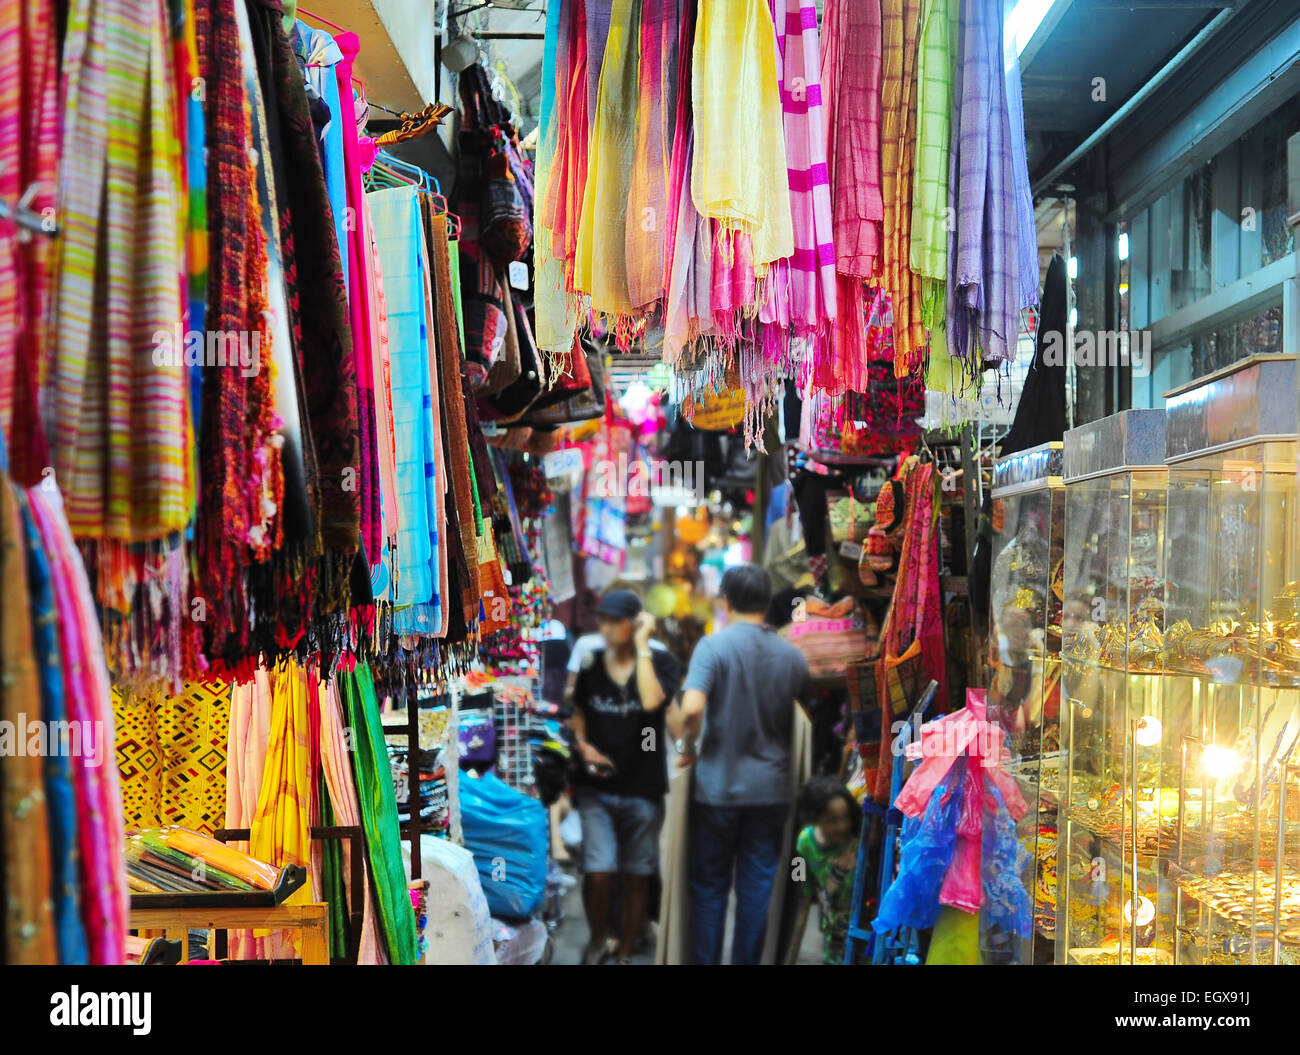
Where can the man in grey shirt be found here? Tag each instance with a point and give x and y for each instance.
(737, 714)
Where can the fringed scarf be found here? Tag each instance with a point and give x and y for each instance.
(566, 187)
(738, 175)
(647, 210)
(807, 279)
(900, 30)
(984, 292)
(235, 423)
(851, 45)
(601, 265)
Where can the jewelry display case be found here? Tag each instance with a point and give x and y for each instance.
(1112, 627)
(1231, 665)
(1023, 704)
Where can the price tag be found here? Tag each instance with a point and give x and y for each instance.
(851, 550)
(518, 274)
(563, 462)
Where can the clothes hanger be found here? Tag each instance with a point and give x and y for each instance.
(27, 221)
(325, 21)
(415, 125)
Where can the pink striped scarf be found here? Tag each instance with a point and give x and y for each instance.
(801, 289)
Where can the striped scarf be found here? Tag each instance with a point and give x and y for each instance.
(29, 134)
(807, 279)
(120, 417)
(851, 91)
(901, 27)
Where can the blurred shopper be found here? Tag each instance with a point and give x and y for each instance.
(737, 715)
(618, 701)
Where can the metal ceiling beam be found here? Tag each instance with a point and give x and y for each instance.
(1136, 99)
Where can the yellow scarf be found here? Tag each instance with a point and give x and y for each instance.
(738, 175)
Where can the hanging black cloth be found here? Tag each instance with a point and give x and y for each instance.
(1040, 417)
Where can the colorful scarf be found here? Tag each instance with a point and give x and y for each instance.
(566, 184)
(378, 801)
(806, 282)
(900, 27)
(647, 207)
(87, 692)
(29, 934)
(601, 267)
(120, 417)
(29, 133)
(984, 260)
(738, 175)
(851, 71)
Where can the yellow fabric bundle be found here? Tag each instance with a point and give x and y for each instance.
(738, 175)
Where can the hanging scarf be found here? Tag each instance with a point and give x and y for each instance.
(86, 690)
(29, 127)
(120, 417)
(566, 185)
(900, 28)
(983, 248)
(601, 263)
(738, 175)
(647, 209)
(808, 277)
(851, 62)
(336, 382)
(929, 252)
(398, 235)
(29, 934)
(377, 799)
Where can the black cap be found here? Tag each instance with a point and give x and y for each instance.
(619, 604)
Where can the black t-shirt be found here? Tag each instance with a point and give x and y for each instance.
(623, 731)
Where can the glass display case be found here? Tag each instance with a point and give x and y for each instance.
(1111, 638)
(1230, 656)
(1018, 854)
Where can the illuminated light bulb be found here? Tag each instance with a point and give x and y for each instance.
(1146, 911)
(1148, 731)
(1219, 762)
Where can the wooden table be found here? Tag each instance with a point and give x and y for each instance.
(311, 919)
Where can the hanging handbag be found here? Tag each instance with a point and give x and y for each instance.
(584, 405)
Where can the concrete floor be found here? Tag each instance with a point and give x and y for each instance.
(570, 938)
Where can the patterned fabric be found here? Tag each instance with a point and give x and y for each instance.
(171, 756)
(851, 69)
(120, 418)
(807, 280)
(983, 249)
(29, 86)
(900, 29)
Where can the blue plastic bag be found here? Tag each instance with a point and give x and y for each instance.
(508, 834)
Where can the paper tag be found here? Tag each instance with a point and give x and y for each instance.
(518, 274)
(564, 462)
(851, 550)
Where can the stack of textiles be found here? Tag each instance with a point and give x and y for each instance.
(176, 860)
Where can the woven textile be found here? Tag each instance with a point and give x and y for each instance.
(901, 25)
(120, 418)
(28, 154)
(738, 174)
(935, 60)
(171, 757)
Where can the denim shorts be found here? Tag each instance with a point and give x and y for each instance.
(620, 833)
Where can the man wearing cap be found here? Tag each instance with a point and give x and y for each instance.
(618, 701)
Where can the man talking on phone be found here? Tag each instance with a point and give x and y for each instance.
(618, 700)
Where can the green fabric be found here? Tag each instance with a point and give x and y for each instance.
(333, 883)
(454, 256)
(833, 888)
(955, 940)
(378, 801)
(934, 75)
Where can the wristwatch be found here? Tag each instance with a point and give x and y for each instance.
(644, 653)
(682, 747)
